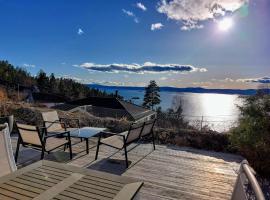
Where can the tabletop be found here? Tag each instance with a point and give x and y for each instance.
(86, 132)
(50, 180)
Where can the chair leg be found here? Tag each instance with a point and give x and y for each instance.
(153, 138)
(42, 153)
(96, 157)
(125, 148)
(17, 149)
(70, 151)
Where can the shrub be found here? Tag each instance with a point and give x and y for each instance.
(252, 136)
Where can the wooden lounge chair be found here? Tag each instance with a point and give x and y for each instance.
(54, 124)
(7, 163)
(122, 140)
(34, 137)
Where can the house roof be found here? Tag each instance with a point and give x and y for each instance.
(134, 111)
(46, 97)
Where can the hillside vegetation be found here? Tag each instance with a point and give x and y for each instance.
(12, 78)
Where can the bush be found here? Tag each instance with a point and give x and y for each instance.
(252, 136)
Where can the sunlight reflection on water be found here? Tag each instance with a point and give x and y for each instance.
(219, 111)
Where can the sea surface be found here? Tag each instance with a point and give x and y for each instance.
(217, 111)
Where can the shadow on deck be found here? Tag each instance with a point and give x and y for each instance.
(169, 172)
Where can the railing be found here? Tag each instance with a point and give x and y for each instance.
(246, 177)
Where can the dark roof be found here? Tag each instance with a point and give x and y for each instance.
(105, 102)
(46, 97)
(136, 112)
(64, 107)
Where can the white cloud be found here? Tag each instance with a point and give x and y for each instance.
(255, 80)
(80, 31)
(192, 12)
(147, 67)
(72, 77)
(156, 26)
(28, 65)
(141, 6)
(130, 14)
(163, 78)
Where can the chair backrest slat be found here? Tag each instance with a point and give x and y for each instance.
(148, 127)
(134, 132)
(29, 134)
(51, 120)
(7, 162)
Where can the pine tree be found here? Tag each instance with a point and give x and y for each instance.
(151, 96)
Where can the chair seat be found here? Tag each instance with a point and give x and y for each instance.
(52, 143)
(61, 130)
(115, 140)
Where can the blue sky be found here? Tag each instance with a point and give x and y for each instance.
(210, 43)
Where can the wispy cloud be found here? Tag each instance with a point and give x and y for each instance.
(141, 6)
(192, 12)
(130, 14)
(71, 77)
(255, 80)
(80, 31)
(29, 65)
(156, 26)
(147, 67)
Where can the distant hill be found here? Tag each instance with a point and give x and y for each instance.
(174, 89)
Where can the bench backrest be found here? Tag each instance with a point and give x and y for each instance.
(246, 176)
(7, 163)
(148, 127)
(29, 134)
(134, 132)
(51, 121)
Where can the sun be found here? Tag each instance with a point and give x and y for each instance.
(225, 24)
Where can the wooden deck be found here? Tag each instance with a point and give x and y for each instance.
(168, 172)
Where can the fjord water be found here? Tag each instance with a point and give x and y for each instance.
(217, 111)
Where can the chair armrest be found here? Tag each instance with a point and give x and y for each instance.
(58, 134)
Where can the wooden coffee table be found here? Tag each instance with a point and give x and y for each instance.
(46, 180)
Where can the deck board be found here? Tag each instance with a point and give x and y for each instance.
(168, 172)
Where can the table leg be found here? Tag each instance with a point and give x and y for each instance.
(87, 145)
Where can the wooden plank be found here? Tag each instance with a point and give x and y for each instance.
(36, 180)
(30, 183)
(91, 193)
(42, 178)
(19, 172)
(18, 190)
(25, 186)
(88, 186)
(92, 173)
(101, 180)
(75, 196)
(52, 173)
(13, 195)
(56, 170)
(5, 197)
(128, 191)
(58, 188)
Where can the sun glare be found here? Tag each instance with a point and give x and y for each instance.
(225, 24)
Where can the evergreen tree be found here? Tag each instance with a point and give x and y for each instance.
(151, 96)
(43, 81)
(53, 84)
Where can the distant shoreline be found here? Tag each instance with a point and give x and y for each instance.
(186, 90)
